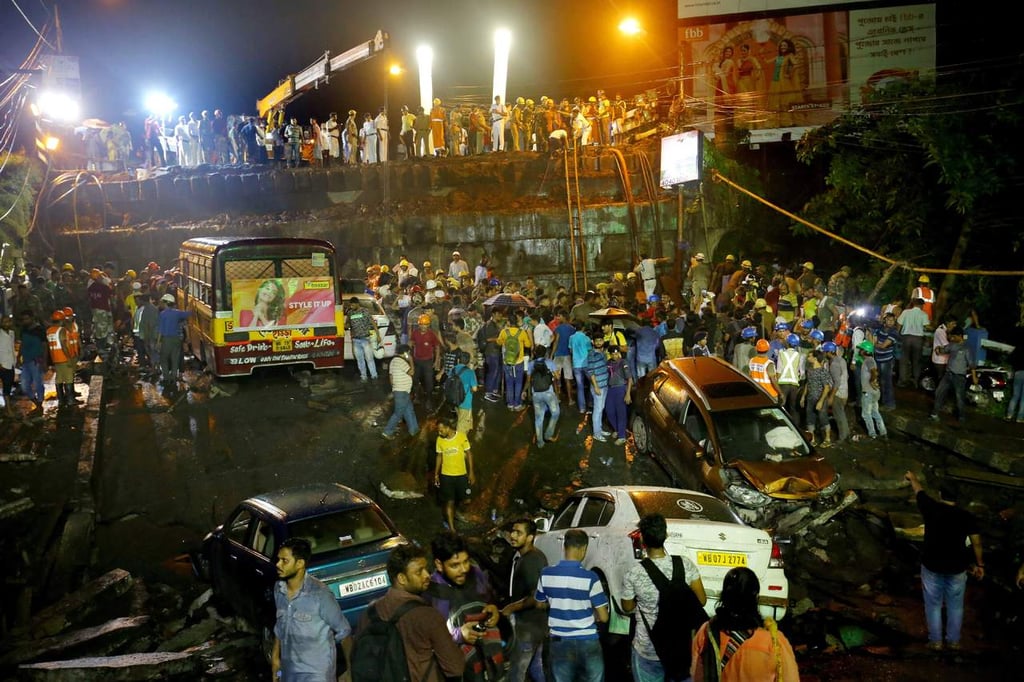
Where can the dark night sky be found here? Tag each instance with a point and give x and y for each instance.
(227, 53)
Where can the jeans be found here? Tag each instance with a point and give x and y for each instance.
(32, 381)
(942, 588)
(815, 418)
(599, 402)
(647, 670)
(1016, 400)
(528, 656)
(580, 376)
(615, 409)
(911, 362)
(492, 373)
(514, 377)
(363, 350)
(423, 374)
(958, 382)
(170, 357)
(885, 368)
(545, 403)
(577, 660)
(643, 368)
(869, 411)
(842, 424)
(403, 410)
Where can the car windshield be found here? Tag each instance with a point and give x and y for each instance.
(758, 434)
(343, 529)
(682, 505)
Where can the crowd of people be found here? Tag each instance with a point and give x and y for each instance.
(793, 332)
(54, 316)
(442, 130)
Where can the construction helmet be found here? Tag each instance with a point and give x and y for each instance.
(781, 325)
(131, 274)
(748, 332)
(58, 315)
(923, 279)
(793, 340)
(866, 346)
(68, 267)
(829, 347)
(423, 319)
(762, 346)
(619, 277)
(699, 257)
(592, 99)
(95, 273)
(730, 257)
(431, 285)
(437, 101)
(630, 275)
(152, 265)
(385, 268)
(167, 298)
(529, 102)
(520, 100)
(746, 265)
(809, 266)
(653, 298)
(819, 335)
(68, 311)
(426, 264)
(807, 324)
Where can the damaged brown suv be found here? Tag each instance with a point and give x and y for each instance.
(712, 427)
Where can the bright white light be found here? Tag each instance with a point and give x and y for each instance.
(58, 106)
(630, 26)
(502, 46)
(160, 104)
(425, 60)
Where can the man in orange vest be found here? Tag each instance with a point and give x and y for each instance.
(762, 370)
(64, 354)
(926, 294)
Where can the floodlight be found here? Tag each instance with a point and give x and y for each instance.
(502, 46)
(630, 26)
(160, 104)
(425, 59)
(57, 106)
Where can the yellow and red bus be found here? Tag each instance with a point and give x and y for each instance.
(261, 301)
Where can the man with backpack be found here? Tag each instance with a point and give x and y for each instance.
(668, 594)
(399, 641)
(459, 388)
(513, 341)
(541, 384)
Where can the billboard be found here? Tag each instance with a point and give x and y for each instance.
(797, 71)
(689, 9)
(681, 158)
(281, 303)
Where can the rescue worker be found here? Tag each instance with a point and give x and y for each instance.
(438, 116)
(351, 139)
(926, 294)
(498, 115)
(808, 280)
(380, 124)
(791, 372)
(368, 138)
(722, 272)
(743, 351)
(699, 276)
(762, 370)
(516, 125)
(64, 352)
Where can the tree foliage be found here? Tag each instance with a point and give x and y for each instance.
(19, 183)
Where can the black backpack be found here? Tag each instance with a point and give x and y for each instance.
(378, 652)
(541, 379)
(680, 614)
(454, 389)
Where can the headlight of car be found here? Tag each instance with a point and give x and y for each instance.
(742, 494)
(831, 489)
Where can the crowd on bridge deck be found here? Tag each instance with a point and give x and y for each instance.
(796, 333)
(442, 130)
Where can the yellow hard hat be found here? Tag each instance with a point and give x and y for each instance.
(746, 264)
(923, 279)
(809, 266)
(618, 276)
(68, 267)
(385, 268)
(437, 101)
(131, 273)
(426, 264)
(423, 319)
(730, 257)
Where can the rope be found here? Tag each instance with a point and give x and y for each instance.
(718, 177)
(773, 631)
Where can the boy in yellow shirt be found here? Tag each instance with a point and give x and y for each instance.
(453, 469)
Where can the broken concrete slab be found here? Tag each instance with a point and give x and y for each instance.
(126, 668)
(16, 507)
(100, 640)
(79, 605)
(191, 636)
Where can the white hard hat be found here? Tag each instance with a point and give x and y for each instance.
(699, 256)
(431, 285)
(167, 298)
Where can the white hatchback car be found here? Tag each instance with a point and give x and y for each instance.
(700, 527)
(389, 338)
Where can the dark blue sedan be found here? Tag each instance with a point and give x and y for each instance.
(350, 535)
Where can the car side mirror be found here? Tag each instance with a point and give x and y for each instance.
(543, 524)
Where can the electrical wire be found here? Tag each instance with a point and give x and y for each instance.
(31, 25)
(28, 173)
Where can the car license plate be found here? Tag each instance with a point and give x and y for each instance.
(282, 345)
(373, 582)
(721, 559)
(998, 395)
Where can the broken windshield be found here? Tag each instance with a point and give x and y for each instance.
(758, 434)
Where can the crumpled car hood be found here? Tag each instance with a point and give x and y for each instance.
(795, 479)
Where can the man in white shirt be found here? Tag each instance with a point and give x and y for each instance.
(458, 267)
(912, 322)
(498, 115)
(381, 124)
(8, 358)
(940, 340)
(647, 269)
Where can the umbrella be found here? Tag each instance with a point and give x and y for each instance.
(613, 313)
(511, 300)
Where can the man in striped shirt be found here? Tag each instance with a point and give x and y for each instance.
(576, 603)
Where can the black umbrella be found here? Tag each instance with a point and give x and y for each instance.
(510, 300)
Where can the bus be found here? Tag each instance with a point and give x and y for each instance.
(261, 301)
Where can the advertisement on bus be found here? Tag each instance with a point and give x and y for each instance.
(282, 303)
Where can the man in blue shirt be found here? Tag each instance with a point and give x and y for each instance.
(647, 343)
(580, 345)
(576, 603)
(169, 330)
(597, 374)
(563, 355)
(309, 620)
(545, 400)
(469, 382)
